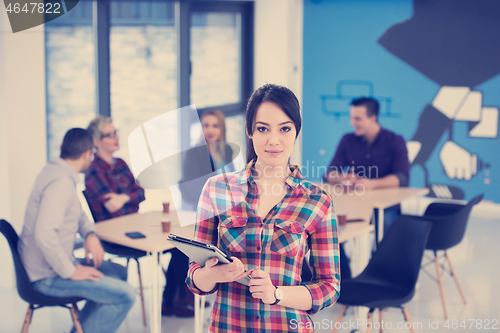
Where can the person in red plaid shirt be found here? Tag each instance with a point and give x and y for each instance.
(111, 191)
(110, 186)
(267, 217)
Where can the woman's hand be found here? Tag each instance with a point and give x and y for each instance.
(207, 277)
(226, 272)
(262, 287)
(114, 202)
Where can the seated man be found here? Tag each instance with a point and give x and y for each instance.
(53, 217)
(371, 157)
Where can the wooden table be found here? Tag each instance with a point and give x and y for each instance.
(388, 197)
(357, 204)
(149, 224)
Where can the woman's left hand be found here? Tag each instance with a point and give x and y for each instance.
(262, 287)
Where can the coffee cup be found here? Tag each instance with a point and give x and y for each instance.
(165, 226)
(341, 219)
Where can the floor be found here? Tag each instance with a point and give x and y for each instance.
(475, 261)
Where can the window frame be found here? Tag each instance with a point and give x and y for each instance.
(101, 23)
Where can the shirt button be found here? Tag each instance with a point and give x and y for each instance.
(368, 156)
(257, 317)
(258, 248)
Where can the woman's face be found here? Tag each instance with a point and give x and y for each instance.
(109, 139)
(211, 128)
(273, 135)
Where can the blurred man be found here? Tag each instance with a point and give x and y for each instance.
(53, 217)
(371, 157)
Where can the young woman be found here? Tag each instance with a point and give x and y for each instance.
(195, 167)
(111, 191)
(267, 217)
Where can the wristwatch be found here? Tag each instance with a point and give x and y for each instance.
(91, 233)
(278, 293)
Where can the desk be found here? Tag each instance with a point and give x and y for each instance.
(361, 205)
(149, 224)
(388, 197)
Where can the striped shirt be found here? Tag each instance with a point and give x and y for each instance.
(304, 220)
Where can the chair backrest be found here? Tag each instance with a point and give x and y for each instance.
(399, 255)
(24, 287)
(449, 223)
(88, 206)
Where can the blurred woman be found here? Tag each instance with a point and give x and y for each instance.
(202, 160)
(111, 191)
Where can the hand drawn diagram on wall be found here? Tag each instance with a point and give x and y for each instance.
(338, 105)
(457, 45)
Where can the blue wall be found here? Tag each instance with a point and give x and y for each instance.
(343, 59)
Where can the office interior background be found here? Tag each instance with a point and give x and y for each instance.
(433, 65)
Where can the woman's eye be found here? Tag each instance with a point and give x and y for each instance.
(261, 129)
(286, 129)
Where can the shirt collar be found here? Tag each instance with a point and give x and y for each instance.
(102, 163)
(71, 172)
(377, 137)
(246, 176)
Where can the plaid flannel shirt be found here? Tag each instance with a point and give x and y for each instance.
(102, 178)
(304, 220)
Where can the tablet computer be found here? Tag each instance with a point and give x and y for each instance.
(201, 252)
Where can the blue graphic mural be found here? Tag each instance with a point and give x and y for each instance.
(433, 65)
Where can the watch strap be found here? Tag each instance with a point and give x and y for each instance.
(277, 299)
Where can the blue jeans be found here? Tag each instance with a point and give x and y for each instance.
(107, 301)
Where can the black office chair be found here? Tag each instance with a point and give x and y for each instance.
(25, 289)
(390, 277)
(449, 223)
(128, 253)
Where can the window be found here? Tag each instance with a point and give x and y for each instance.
(143, 66)
(70, 70)
(136, 60)
(215, 58)
(147, 58)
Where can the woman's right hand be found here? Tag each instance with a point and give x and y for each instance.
(225, 272)
(207, 277)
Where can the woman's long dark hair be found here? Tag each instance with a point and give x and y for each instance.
(279, 95)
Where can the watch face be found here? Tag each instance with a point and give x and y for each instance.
(279, 294)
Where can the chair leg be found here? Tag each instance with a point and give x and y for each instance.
(407, 316)
(381, 319)
(455, 277)
(369, 321)
(27, 319)
(340, 318)
(141, 291)
(440, 283)
(74, 315)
